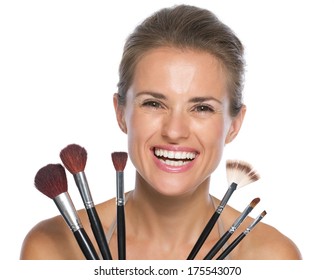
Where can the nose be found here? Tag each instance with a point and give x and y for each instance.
(176, 126)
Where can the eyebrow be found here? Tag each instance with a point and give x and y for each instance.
(153, 94)
(204, 99)
(161, 96)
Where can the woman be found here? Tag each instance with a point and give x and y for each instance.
(179, 101)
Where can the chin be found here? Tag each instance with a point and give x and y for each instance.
(173, 188)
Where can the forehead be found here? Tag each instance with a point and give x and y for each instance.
(185, 69)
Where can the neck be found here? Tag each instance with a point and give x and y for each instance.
(175, 219)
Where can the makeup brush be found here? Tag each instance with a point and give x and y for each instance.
(51, 181)
(74, 157)
(119, 160)
(241, 236)
(239, 174)
(220, 243)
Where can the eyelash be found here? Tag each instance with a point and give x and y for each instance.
(198, 108)
(203, 108)
(153, 104)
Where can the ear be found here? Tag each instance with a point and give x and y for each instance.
(235, 125)
(119, 111)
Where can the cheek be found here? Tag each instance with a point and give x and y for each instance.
(218, 139)
(213, 141)
(213, 132)
(140, 128)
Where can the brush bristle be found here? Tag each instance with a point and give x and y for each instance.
(254, 202)
(119, 160)
(264, 212)
(51, 180)
(74, 157)
(240, 172)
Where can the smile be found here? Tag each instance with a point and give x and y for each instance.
(174, 158)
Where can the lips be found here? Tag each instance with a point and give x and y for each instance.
(171, 158)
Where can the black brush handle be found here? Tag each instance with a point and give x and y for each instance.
(121, 232)
(205, 233)
(231, 246)
(100, 237)
(85, 244)
(220, 243)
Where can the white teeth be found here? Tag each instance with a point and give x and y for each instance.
(173, 162)
(174, 155)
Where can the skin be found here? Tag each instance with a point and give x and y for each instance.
(178, 101)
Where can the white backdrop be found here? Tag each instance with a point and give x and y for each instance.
(58, 72)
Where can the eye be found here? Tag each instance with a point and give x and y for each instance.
(152, 104)
(203, 108)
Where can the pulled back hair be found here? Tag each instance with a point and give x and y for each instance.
(185, 27)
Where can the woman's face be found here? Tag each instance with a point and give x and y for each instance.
(177, 118)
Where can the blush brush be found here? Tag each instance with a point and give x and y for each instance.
(239, 174)
(51, 181)
(74, 157)
(221, 242)
(119, 160)
(241, 236)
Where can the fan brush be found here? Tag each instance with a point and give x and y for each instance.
(239, 174)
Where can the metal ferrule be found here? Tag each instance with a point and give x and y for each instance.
(67, 210)
(120, 188)
(226, 197)
(254, 223)
(82, 184)
(241, 218)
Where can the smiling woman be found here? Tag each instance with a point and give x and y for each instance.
(179, 101)
(175, 96)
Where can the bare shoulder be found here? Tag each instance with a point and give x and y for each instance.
(264, 242)
(269, 244)
(50, 239)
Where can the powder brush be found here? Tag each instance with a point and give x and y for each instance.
(119, 160)
(220, 243)
(74, 157)
(239, 174)
(241, 236)
(51, 181)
